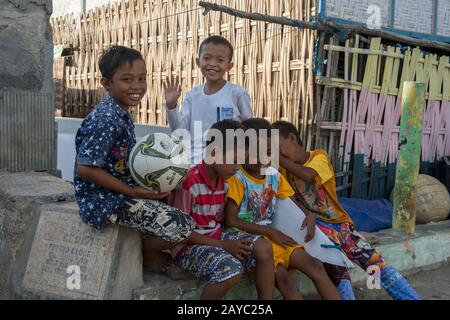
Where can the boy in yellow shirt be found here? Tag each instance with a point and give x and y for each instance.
(311, 175)
(250, 206)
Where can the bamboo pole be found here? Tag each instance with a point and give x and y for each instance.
(405, 190)
(260, 17)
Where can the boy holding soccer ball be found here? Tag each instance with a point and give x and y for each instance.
(104, 188)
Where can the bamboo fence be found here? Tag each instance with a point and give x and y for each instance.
(359, 101)
(345, 97)
(59, 82)
(273, 63)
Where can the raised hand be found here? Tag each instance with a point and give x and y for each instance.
(172, 91)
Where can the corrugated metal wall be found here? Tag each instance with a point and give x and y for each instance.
(27, 131)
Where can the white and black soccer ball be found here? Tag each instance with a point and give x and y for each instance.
(159, 162)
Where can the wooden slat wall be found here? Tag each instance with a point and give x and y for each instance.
(272, 62)
(359, 111)
(360, 102)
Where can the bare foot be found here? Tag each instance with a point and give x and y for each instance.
(157, 261)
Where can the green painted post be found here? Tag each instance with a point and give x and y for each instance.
(410, 143)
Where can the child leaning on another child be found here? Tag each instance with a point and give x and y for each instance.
(311, 175)
(250, 207)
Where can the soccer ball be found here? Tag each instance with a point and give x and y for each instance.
(159, 162)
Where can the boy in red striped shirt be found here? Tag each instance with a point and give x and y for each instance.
(222, 256)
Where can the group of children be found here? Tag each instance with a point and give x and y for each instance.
(217, 225)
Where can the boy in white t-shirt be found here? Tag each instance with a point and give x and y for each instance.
(211, 102)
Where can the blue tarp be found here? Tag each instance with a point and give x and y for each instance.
(369, 215)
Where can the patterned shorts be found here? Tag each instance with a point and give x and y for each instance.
(213, 264)
(155, 218)
(353, 244)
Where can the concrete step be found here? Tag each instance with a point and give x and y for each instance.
(63, 258)
(21, 195)
(47, 252)
(429, 246)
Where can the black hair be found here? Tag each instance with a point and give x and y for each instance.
(217, 40)
(285, 128)
(223, 126)
(114, 57)
(257, 124)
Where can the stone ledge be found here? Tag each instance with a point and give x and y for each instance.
(41, 235)
(21, 195)
(429, 246)
(38, 186)
(109, 260)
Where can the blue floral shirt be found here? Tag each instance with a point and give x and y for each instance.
(104, 140)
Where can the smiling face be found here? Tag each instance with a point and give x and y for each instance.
(214, 62)
(128, 84)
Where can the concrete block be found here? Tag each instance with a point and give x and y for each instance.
(21, 195)
(109, 261)
(26, 46)
(41, 235)
(36, 186)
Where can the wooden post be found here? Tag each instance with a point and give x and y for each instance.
(410, 142)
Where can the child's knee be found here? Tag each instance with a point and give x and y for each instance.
(263, 250)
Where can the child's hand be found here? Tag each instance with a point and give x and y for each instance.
(310, 224)
(238, 248)
(282, 239)
(142, 193)
(172, 91)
